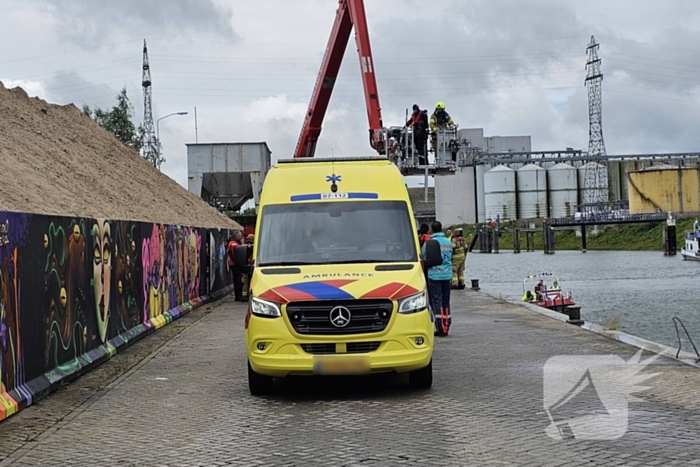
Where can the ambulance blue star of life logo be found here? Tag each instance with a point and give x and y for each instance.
(332, 179)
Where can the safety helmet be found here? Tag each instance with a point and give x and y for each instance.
(440, 105)
(415, 107)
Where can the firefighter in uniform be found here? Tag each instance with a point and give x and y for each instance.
(439, 120)
(459, 257)
(245, 278)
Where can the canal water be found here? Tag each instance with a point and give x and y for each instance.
(643, 290)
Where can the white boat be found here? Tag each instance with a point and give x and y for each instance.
(691, 249)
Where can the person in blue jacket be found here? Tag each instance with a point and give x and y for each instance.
(440, 281)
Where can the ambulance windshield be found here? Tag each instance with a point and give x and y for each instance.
(336, 232)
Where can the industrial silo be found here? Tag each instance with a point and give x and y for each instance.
(563, 190)
(499, 193)
(532, 192)
(598, 191)
(481, 169)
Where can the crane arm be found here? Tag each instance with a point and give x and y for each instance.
(369, 80)
(321, 96)
(349, 13)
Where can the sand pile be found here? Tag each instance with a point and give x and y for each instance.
(56, 160)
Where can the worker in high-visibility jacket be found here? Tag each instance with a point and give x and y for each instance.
(459, 257)
(439, 120)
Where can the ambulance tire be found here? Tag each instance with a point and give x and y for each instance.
(259, 385)
(423, 378)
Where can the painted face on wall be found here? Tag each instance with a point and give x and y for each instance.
(102, 272)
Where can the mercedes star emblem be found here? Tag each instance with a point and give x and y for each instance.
(340, 316)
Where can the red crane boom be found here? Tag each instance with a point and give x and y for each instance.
(350, 13)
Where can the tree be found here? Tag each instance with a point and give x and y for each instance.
(249, 212)
(118, 121)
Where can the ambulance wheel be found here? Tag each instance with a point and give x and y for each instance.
(259, 385)
(423, 378)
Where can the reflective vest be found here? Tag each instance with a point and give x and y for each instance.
(459, 248)
(442, 118)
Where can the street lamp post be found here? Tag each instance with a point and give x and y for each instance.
(158, 132)
(161, 118)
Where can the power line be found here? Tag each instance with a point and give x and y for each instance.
(651, 64)
(121, 62)
(655, 59)
(68, 52)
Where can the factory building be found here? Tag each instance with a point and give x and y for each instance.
(550, 188)
(461, 198)
(666, 188)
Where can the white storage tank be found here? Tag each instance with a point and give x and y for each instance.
(532, 192)
(563, 190)
(481, 169)
(499, 193)
(599, 190)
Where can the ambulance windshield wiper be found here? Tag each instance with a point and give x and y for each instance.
(287, 263)
(361, 261)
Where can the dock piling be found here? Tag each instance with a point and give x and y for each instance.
(548, 238)
(574, 312)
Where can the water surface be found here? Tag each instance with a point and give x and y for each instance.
(644, 290)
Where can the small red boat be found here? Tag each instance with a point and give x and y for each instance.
(543, 290)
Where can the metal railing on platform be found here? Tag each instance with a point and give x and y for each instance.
(610, 217)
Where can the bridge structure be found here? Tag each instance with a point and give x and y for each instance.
(475, 156)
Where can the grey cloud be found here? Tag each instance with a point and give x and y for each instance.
(89, 22)
(71, 87)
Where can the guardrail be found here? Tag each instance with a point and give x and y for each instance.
(608, 218)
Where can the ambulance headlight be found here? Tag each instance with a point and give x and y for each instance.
(264, 308)
(414, 303)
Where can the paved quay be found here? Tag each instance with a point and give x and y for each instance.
(187, 404)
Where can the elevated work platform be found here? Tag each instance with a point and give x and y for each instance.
(226, 175)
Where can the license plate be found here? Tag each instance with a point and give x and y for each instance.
(341, 366)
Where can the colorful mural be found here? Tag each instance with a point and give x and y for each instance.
(74, 290)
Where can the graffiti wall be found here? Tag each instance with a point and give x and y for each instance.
(74, 291)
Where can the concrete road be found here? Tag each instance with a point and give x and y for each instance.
(187, 404)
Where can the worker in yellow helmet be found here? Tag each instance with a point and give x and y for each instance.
(439, 120)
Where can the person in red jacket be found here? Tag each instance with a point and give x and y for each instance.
(423, 234)
(235, 241)
(249, 240)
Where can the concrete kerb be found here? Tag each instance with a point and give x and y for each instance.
(629, 339)
(21, 452)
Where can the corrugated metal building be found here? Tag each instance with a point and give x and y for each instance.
(501, 144)
(664, 188)
(423, 212)
(474, 136)
(455, 197)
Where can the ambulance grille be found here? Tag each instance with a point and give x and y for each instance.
(351, 347)
(313, 317)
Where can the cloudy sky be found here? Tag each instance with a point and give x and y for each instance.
(512, 67)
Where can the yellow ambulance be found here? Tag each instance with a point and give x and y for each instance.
(337, 286)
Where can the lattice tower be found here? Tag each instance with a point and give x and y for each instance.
(151, 149)
(596, 177)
